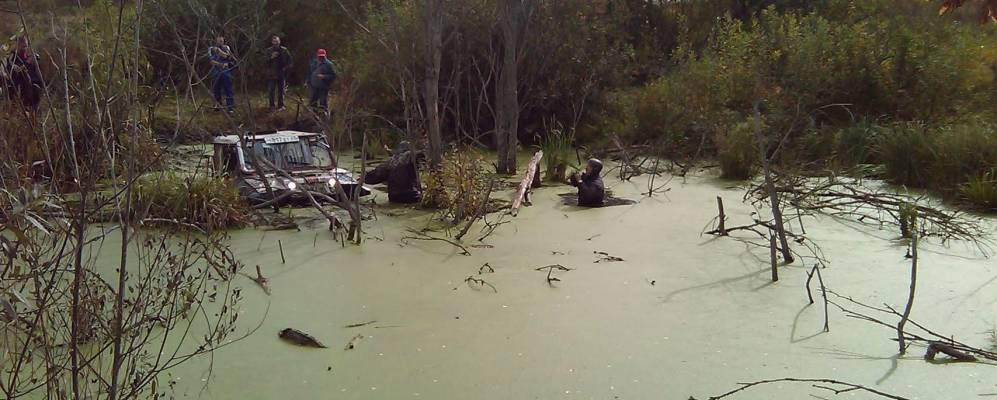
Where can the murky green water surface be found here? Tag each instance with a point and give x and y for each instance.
(682, 315)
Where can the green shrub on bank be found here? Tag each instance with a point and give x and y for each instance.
(204, 201)
(737, 152)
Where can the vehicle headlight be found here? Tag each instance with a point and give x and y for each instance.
(291, 185)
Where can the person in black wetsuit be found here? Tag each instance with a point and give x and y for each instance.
(591, 191)
(399, 174)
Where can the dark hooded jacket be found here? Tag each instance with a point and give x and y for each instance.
(399, 174)
(591, 191)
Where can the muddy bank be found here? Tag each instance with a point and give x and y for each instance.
(682, 314)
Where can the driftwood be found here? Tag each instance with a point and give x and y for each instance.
(300, 338)
(935, 347)
(524, 185)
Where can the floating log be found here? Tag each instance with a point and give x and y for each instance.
(524, 185)
(300, 338)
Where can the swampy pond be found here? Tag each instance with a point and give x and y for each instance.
(683, 314)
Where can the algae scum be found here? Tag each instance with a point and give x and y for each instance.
(645, 307)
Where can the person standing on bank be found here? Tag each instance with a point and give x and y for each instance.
(321, 76)
(222, 63)
(278, 63)
(23, 78)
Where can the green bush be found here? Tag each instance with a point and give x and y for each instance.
(204, 201)
(737, 152)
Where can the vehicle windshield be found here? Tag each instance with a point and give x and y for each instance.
(307, 153)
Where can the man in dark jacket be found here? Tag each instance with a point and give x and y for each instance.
(23, 78)
(222, 63)
(591, 191)
(400, 175)
(278, 63)
(321, 76)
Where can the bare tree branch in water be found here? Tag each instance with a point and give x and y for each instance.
(832, 385)
(936, 342)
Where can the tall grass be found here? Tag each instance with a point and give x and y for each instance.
(982, 191)
(556, 145)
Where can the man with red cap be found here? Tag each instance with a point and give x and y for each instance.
(321, 76)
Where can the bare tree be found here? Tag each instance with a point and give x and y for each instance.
(513, 18)
(434, 53)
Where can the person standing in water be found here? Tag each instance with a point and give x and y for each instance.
(321, 76)
(591, 190)
(222, 63)
(399, 174)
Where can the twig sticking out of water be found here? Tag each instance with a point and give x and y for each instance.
(605, 257)
(281, 247)
(550, 270)
(262, 280)
(823, 290)
(360, 324)
(832, 385)
(486, 268)
(353, 342)
(423, 236)
(472, 281)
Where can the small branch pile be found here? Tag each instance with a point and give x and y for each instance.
(852, 200)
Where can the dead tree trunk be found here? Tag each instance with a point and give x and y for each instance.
(722, 224)
(772, 258)
(913, 285)
(434, 52)
(513, 17)
(763, 149)
(524, 186)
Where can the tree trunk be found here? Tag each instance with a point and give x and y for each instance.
(780, 227)
(434, 52)
(512, 21)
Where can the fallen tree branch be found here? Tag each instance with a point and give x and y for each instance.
(843, 387)
(423, 236)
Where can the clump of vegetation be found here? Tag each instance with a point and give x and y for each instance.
(556, 145)
(200, 200)
(737, 152)
(460, 188)
(982, 190)
(907, 151)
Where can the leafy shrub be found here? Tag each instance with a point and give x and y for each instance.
(458, 189)
(737, 152)
(963, 152)
(204, 201)
(855, 145)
